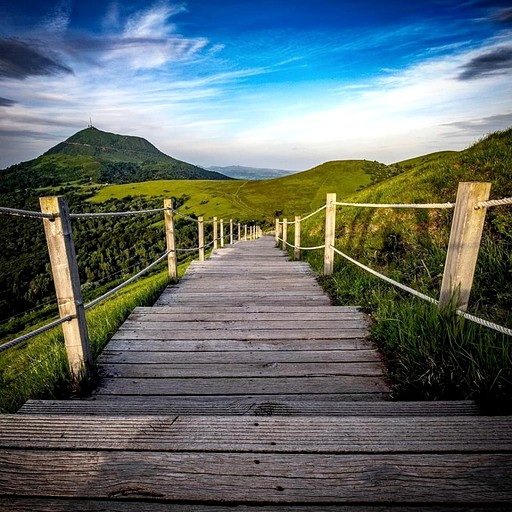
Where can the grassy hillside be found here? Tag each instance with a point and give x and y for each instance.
(247, 200)
(430, 355)
(94, 156)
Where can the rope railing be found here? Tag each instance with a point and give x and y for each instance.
(493, 202)
(127, 282)
(68, 289)
(26, 213)
(466, 231)
(412, 291)
(34, 333)
(115, 214)
(396, 205)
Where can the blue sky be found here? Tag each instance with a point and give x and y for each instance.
(274, 83)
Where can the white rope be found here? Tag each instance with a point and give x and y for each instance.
(302, 248)
(115, 214)
(27, 213)
(127, 282)
(34, 333)
(485, 323)
(177, 212)
(472, 318)
(313, 213)
(378, 205)
(493, 202)
(385, 278)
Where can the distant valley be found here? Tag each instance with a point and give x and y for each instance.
(240, 172)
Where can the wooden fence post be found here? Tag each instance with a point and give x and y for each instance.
(215, 234)
(221, 232)
(464, 244)
(277, 232)
(59, 237)
(296, 243)
(285, 233)
(170, 237)
(330, 226)
(245, 231)
(200, 226)
(231, 231)
(239, 232)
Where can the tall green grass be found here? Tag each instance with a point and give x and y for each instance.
(38, 368)
(430, 355)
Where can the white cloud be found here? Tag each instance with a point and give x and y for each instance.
(58, 19)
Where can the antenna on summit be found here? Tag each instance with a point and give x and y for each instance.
(90, 123)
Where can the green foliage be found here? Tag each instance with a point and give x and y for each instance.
(430, 355)
(38, 368)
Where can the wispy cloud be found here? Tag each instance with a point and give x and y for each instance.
(5, 102)
(20, 60)
(58, 19)
(497, 61)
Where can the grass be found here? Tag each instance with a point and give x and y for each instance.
(38, 368)
(253, 200)
(430, 355)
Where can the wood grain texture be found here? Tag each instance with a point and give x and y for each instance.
(242, 478)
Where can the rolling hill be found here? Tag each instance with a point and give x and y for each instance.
(94, 156)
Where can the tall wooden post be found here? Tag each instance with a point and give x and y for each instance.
(463, 246)
(231, 231)
(296, 243)
(277, 231)
(61, 248)
(215, 234)
(245, 231)
(285, 233)
(170, 237)
(221, 232)
(239, 232)
(200, 227)
(330, 226)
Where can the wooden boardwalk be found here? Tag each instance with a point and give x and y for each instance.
(243, 388)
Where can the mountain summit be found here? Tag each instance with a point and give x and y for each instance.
(95, 156)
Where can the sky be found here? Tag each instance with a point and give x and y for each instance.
(270, 83)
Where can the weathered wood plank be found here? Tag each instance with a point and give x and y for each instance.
(150, 333)
(80, 505)
(246, 478)
(193, 370)
(221, 315)
(242, 386)
(255, 308)
(120, 342)
(239, 357)
(241, 325)
(255, 405)
(262, 435)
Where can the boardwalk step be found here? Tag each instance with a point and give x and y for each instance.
(255, 405)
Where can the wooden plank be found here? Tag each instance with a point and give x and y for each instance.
(238, 357)
(246, 478)
(231, 316)
(256, 405)
(198, 370)
(242, 386)
(126, 343)
(150, 333)
(238, 434)
(256, 308)
(242, 325)
(118, 505)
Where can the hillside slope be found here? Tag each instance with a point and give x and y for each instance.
(431, 355)
(289, 195)
(94, 156)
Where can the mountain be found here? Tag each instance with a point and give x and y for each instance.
(95, 156)
(251, 173)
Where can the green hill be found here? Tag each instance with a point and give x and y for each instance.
(94, 156)
(431, 355)
(289, 195)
